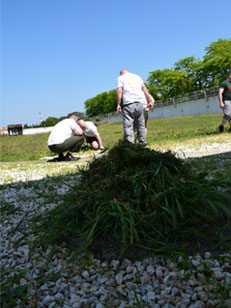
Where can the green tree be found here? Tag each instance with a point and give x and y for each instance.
(110, 102)
(217, 61)
(50, 121)
(190, 74)
(167, 83)
(101, 104)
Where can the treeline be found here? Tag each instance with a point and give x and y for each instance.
(186, 75)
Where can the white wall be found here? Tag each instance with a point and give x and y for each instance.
(37, 130)
(194, 107)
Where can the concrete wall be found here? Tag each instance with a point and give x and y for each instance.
(195, 107)
(37, 130)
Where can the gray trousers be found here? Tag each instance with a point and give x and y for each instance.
(227, 111)
(133, 113)
(71, 144)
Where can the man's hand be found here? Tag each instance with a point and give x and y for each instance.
(119, 109)
(150, 106)
(222, 105)
(119, 93)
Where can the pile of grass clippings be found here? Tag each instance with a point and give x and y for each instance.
(137, 197)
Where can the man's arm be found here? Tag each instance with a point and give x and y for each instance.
(78, 131)
(148, 97)
(99, 139)
(84, 140)
(119, 93)
(220, 97)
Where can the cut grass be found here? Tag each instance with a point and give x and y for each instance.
(136, 196)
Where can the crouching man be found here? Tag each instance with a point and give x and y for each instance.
(66, 136)
(91, 134)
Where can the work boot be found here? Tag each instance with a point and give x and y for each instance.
(70, 157)
(221, 128)
(60, 157)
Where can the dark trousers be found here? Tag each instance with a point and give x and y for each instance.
(71, 144)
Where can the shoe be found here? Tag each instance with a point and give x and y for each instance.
(85, 148)
(61, 157)
(221, 128)
(70, 157)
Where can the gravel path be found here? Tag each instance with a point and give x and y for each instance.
(196, 281)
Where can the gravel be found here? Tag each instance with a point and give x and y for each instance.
(196, 281)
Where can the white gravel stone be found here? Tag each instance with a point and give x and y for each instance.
(150, 270)
(155, 282)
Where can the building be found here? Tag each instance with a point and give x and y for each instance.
(15, 129)
(3, 130)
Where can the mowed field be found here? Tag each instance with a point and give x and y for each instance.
(163, 134)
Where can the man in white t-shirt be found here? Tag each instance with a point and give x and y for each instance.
(91, 134)
(133, 90)
(66, 136)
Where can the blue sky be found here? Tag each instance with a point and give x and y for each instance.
(58, 53)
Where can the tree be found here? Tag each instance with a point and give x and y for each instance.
(191, 67)
(217, 61)
(110, 102)
(50, 121)
(190, 74)
(167, 83)
(101, 104)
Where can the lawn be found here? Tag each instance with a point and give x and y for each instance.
(162, 134)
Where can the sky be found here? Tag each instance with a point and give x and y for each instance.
(56, 54)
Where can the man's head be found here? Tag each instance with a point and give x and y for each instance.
(82, 124)
(123, 71)
(74, 117)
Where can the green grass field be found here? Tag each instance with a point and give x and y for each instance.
(162, 134)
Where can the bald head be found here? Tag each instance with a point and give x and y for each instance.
(123, 71)
(75, 118)
(82, 124)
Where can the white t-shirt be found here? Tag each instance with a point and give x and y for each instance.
(132, 88)
(62, 131)
(144, 101)
(90, 129)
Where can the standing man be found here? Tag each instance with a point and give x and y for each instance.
(66, 136)
(224, 97)
(91, 134)
(131, 87)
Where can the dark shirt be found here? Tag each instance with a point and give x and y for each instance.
(226, 85)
